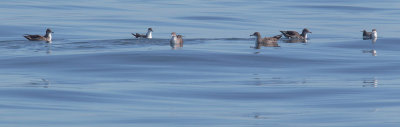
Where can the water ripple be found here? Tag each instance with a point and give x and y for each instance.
(211, 18)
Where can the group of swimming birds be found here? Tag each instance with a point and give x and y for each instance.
(177, 39)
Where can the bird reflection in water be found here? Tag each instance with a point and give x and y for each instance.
(374, 40)
(266, 41)
(46, 83)
(48, 48)
(265, 44)
(175, 46)
(43, 83)
(372, 51)
(294, 41)
(259, 116)
(370, 83)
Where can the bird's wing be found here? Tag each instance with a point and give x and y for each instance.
(33, 37)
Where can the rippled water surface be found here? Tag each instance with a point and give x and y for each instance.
(95, 73)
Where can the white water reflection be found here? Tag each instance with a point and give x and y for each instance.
(370, 83)
(372, 51)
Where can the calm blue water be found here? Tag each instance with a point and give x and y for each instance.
(96, 74)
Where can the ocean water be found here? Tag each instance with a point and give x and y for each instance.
(95, 73)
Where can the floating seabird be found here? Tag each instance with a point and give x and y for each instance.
(147, 35)
(266, 41)
(370, 35)
(46, 37)
(296, 35)
(176, 39)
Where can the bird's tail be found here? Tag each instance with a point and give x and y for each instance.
(278, 36)
(27, 36)
(137, 35)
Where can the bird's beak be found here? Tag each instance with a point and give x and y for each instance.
(251, 34)
(311, 32)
